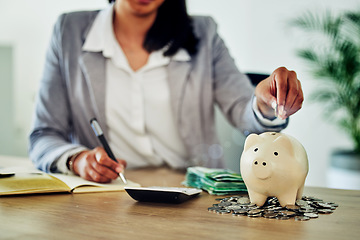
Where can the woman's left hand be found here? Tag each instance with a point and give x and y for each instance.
(281, 91)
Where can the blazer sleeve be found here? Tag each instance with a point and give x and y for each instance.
(50, 136)
(233, 90)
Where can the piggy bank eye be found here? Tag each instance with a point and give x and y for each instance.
(256, 149)
(276, 153)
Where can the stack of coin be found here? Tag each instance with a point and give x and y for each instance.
(303, 210)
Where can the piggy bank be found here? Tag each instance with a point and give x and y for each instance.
(274, 165)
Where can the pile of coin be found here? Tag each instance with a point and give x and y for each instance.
(303, 210)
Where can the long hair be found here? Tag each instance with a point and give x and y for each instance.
(172, 29)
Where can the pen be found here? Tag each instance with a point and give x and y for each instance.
(99, 133)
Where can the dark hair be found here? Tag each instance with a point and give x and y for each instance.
(173, 28)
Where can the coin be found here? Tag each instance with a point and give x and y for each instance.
(233, 207)
(270, 215)
(241, 211)
(325, 211)
(333, 204)
(311, 215)
(301, 218)
(243, 200)
(286, 213)
(307, 209)
(255, 215)
(255, 211)
(301, 202)
(292, 207)
(212, 209)
(222, 211)
(323, 205)
(304, 209)
(224, 204)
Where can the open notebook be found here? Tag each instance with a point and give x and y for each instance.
(28, 181)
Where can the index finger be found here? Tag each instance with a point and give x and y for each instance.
(281, 81)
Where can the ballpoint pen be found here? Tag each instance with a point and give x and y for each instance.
(100, 134)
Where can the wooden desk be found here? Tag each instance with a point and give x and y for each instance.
(114, 215)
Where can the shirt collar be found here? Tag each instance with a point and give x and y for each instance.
(101, 38)
(100, 32)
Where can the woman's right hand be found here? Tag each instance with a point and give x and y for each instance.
(95, 165)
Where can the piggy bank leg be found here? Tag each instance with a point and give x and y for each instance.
(288, 198)
(257, 198)
(300, 192)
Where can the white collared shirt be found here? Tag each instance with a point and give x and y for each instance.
(141, 125)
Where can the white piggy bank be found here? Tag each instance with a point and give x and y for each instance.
(274, 165)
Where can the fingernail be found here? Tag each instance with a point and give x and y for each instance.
(119, 169)
(274, 105)
(281, 110)
(97, 157)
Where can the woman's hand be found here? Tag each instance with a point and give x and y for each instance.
(97, 166)
(281, 89)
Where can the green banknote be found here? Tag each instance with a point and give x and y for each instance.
(214, 180)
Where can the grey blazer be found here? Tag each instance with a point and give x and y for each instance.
(72, 91)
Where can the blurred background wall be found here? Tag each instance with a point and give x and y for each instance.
(257, 33)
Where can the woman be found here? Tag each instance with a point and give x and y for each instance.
(151, 75)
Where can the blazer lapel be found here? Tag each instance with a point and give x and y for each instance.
(93, 67)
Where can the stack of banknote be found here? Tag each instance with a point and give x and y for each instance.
(215, 181)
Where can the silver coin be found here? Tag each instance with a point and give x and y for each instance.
(325, 211)
(255, 215)
(243, 200)
(277, 208)
(307, 209)
(270, 215)
(255, 211)
(311, 215)
(333, 204)
(224, 204)
(324, 205)
(233, 207)
(302, 203)
(270, 211)
(241, 211)
(301, 218)
(286, 213)
(292, 207)
(222, 211)
(213, 209)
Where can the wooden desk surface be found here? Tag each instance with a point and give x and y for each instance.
(114, 215)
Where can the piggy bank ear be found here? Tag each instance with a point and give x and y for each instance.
(251, 140)
(286, 143)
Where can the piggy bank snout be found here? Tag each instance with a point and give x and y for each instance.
(261, 168)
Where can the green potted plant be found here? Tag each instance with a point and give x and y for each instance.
(334, 60)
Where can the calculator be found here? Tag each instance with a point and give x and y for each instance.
(162, 194)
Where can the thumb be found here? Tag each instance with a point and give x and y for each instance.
(268, 99)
